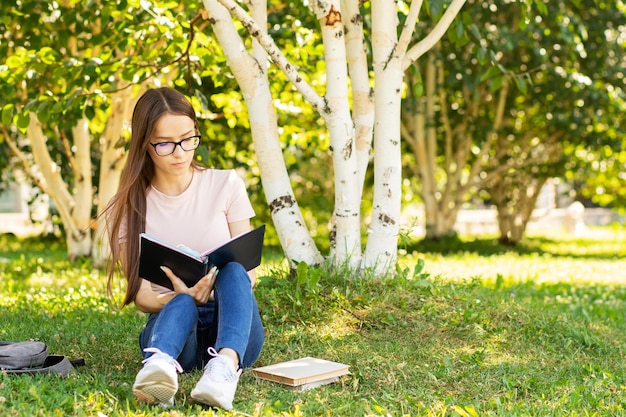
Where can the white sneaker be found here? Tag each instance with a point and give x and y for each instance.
(157, 381)
(218, 383)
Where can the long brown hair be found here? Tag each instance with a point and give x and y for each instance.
(127, 209)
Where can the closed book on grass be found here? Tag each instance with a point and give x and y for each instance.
(302, 373)
(191, 266)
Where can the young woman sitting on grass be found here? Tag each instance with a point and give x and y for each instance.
(164, 192)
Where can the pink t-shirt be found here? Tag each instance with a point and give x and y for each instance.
(198, 218)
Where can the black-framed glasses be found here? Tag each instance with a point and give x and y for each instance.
(168, 148)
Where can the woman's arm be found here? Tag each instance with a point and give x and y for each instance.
(150, 301)
(147, 300)
(237, 228)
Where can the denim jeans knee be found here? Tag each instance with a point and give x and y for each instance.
(238, 321)
(185, 330)
(173, 329)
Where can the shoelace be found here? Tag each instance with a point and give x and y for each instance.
(156, 352)
(219, 366)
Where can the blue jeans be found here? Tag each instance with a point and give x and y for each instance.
(185, 330)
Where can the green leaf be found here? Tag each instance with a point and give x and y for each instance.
(435, 8)
(7, 114)
(482, 55)
(492, 72)
(23, 119)
(302, 274)
(418, 89)
(90, 112)
(460, 29)
(15, 62)
(43, 112)
(419, 267)
(496, 83)
(46, 55)
(521, 83)
(204, 101)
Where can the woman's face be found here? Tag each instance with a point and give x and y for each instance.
(172, 128)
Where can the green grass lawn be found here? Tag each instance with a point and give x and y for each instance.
(478, 330)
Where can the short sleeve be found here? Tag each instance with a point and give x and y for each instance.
(239, 207)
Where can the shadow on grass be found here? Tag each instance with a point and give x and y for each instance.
(587, 248)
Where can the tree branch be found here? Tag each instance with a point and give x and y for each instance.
(28, 168)
(160, 67)
(409, 27)
(434, 36)
(276, 55)
(68, 152)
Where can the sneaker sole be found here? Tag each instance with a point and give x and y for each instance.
(157, 388)
(153, 395)
(211, 399)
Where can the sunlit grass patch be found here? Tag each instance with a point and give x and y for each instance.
(598, 258)
(477, 330)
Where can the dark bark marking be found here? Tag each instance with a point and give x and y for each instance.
(386, 220)
(347, 150)
(333, 16)
(282, 202)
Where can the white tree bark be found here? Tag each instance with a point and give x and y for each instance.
(75, 206)
(251, 75)
(350, 145)
(362, 94)
(347, 214)
(113, 158)
(381, 250)
(83, 189)
(334, 108)
(72, 208)
(423, 46)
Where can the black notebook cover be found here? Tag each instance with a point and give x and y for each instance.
(246, 249)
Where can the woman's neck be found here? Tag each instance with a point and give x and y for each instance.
(173, 185)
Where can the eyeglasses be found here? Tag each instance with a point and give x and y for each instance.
(168, 148)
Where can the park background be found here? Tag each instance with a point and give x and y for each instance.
(434, 192)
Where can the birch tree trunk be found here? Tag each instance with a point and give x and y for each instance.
(74, 209)
(363, 112)
(381, 250)
(392, 57)
(347, 244)
(350, 147)
(83, 188)
(250, 72)
(515, 194)
(445, 186)
(113, 158)
(515, 206)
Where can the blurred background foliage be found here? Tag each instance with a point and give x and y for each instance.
(66, 59)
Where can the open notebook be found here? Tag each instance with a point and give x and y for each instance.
(190, 266)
